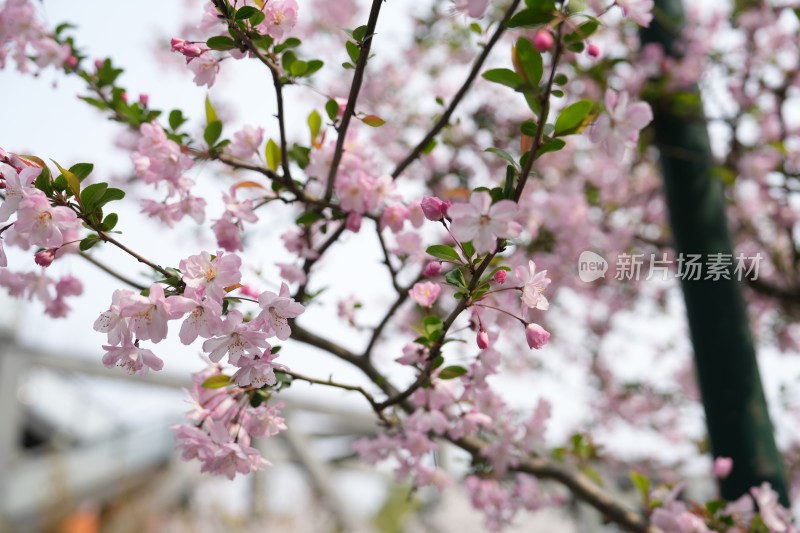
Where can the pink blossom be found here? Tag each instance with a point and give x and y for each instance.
(265, 422)
(258, 371)
(722, 467)
(281, 17)
(69, 286)
(232, 458)
(536, 336)
(149, 314)
(534, 284)
(237, 340)
(292, 273)
(618, 129)
(775, 517)
(640, 11)
(276, 310)
(210, 277)
(158, 158)
(394, 216)
(246, 142)
(42, 223)
(205, 69)
(111, 321)
(425, 293)
(228, 235)
(205, 320)
(473, 8)
(15, 183)
(133, 359)
(413, 354)
(483, 223)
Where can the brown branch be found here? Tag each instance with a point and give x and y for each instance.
(355, 88)
(462, 92)
(111, 272)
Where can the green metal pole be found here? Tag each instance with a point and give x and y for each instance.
(738, 422)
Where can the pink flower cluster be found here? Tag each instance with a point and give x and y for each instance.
(223, 424)
(23, 36)
(158, 160)
(38, 223)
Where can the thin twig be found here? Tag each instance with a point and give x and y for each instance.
(445, 118)
(108, 270)
(355, 87)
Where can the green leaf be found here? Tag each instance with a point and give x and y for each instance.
(221, 43)
(216, 382)
(110, 221)
(573, 117)
(468, 249)
(641, 483)
(456, 278)
(429, 147)
(82, 170)
(88, 242)
(291, 42)
(443, 251)
(246, 12)
(353, 51)
(308, 218)
(504, 76)
(432, 325)
(91, 196)
(257, 19)
(541, 13)
(212, 133)
(112, 194)
(211, 114)
(528, 128)
(44, 182)
(553, 145)
(332, 109)
(73, 181)
(176, 119)
(288, 60)
(452, 372)
(314, 124)
(504, 155)
(273, 155)
(373, 120)
(299, 154)
(298, 68)
(312, 66)
(359, 33)
(530, 59)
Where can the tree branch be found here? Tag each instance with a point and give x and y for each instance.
(355, 87)
(445, 118)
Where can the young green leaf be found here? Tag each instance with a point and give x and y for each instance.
(73, 182)
(443, 251)
(273, 155)
(573, 117)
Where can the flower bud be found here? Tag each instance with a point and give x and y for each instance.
(45, 257)
(483, 339)
(593, 50)
(536, 336)
(434, 268)
(144, 99)
(353, 222)
(543, 40)
(500, 276)
(434, 208)
(71, 62)
(723, 467)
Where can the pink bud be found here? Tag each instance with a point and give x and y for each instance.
(543, 40)
(500, 276)
(353, 222)
(98, 63)
(434, 268)
(593, 50)
(191, 51)
(483, 339)
(536, 335)
(45, 257)
(177, 44)
(434, 208)
(71, 62)
(723, 467)
(124, 96)
(144, 99)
